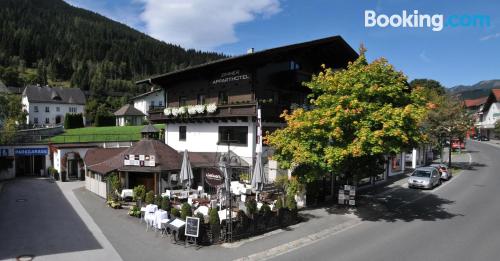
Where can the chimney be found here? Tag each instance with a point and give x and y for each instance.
(250, 50)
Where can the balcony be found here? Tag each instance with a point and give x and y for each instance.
(224, 112)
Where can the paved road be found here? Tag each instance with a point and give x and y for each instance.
(458, 221)
(37, 220)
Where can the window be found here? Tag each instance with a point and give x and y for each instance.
(201, 99)
(182, 101)
(182, 133)
(47, 109)
(72, 109)
(36, 108)
(160, 103)
(223, 97)
(35, 120)
(58, 109)
(47, 121)
(152, 103)
(233, 134)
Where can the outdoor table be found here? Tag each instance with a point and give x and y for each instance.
(159, 215)
(176, 227)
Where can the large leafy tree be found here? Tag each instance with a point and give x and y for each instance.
(446, 119)
(355, 117)
(428, 84)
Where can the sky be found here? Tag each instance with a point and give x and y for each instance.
(453, 55)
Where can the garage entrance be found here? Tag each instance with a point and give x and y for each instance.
(30, 161)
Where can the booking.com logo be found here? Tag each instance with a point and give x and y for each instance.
(416, 20)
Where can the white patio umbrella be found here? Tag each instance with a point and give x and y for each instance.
(258, 177)
(186, 174)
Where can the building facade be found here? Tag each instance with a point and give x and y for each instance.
(489, 114)
(47, 106)
(149, 100)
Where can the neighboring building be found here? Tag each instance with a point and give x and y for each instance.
(489, 114)
(149, 100)
(47, 106)
(128, 115)
(475, 107)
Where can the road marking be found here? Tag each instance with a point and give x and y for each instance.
(302, 242)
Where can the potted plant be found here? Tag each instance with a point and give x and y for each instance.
(139, 194)
(63, 176)
(214, 221)
(186, 211)
(82, 174)
(165, 204)
(175, 212)
(150, 197)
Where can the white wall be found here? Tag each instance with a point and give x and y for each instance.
(144, 102)
(52, 114)
(59, 154)
(492, 115)
(203, 137)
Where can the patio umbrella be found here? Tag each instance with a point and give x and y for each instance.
(186, 174)
(258, 177)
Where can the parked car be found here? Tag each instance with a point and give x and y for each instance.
(484, 138)
(424, 177)
(443, 169)
(457, 144)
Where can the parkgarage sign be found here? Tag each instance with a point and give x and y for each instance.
(31, 151)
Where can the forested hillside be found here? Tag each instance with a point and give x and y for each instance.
(52, 42)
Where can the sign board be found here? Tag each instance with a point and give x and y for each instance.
(347, 195)
(31, 151)
(214, 177)
(4, 152)
(192, 228)
(139, 160)
(231, 76)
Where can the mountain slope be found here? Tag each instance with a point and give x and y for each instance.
(477, 90)
(82, 49)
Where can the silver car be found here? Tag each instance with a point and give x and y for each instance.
(444, 170)
(425, 177)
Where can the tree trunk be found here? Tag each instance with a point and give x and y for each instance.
(449, 155)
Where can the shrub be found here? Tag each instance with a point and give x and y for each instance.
(157, 200)
(104, 120)
(150, 197)
(213, 217)
(165, 204)
(251, 206)
(201, 217)
(73, 121)
(139, 192)
(175, 212)
(291, 204)
(279, 203)
(186, 211)
(265, 210)
(135, 211)
(116, 185)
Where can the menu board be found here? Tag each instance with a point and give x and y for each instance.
(192, 227)
(347, 195)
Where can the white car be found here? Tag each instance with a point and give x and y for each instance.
(444, 170)
(424, 177)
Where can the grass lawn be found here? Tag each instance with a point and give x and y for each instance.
(99, 134)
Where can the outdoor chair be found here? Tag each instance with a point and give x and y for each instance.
(149, 215)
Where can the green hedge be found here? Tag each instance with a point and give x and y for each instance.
(73, 121)
(104, 120)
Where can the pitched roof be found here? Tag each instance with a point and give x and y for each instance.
(47, 94)
(103, 160)
(493, 97)
(475, 102)
(336, 43)
(149, 129)
(145, 94)
(128, 110)
(99, 155)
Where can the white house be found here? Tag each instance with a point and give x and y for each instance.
(48, 105)
(489, 114)
(128, 115)
(149, 100)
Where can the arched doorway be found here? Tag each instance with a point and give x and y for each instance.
(58, 119)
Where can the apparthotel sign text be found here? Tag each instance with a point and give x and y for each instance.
(231, 76)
